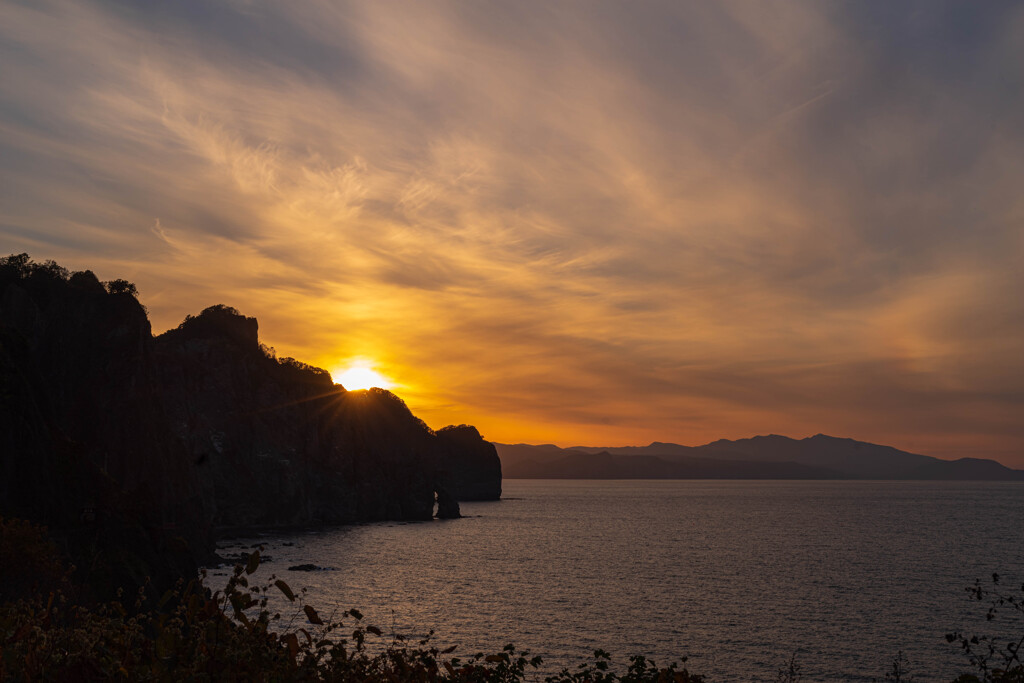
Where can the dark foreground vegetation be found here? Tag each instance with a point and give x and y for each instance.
(191, 632)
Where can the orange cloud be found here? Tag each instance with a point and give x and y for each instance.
(616, 225)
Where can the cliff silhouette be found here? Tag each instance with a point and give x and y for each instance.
(141, 449)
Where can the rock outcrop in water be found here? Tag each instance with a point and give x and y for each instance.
(109, 432)
(467, 466)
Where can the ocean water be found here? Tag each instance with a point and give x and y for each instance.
(736, 575)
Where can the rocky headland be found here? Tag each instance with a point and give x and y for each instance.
(139, 448)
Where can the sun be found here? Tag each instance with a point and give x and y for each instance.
(360, 376)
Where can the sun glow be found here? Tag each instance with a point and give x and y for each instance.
(360, 376)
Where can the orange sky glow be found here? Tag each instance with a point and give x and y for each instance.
(584, 224)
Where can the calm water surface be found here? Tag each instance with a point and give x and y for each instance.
(737, 575)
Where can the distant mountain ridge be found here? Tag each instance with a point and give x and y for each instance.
(760, 457)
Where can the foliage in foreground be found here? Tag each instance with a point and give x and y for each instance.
(230, 635)
(996, 660)
(194, 634)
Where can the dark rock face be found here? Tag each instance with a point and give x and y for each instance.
(102, 425)
(84, 444)
(447, 506)
(466, 465)
(262, 429)
(276, 442)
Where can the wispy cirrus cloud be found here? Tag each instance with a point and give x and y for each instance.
(571, 222)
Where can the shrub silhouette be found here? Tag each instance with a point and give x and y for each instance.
(996, 660)
(192, 633)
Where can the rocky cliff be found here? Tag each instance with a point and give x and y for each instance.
(263, 429)
(85, 446)
(199, 428)
(467, 466)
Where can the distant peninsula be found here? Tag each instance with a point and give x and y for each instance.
(760, 457)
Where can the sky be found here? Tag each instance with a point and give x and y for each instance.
(583, 223)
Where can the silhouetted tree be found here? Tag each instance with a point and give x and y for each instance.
(50, 270)
(122, 287)
(15, 266)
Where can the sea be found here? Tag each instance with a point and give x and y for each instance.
(740, 577)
